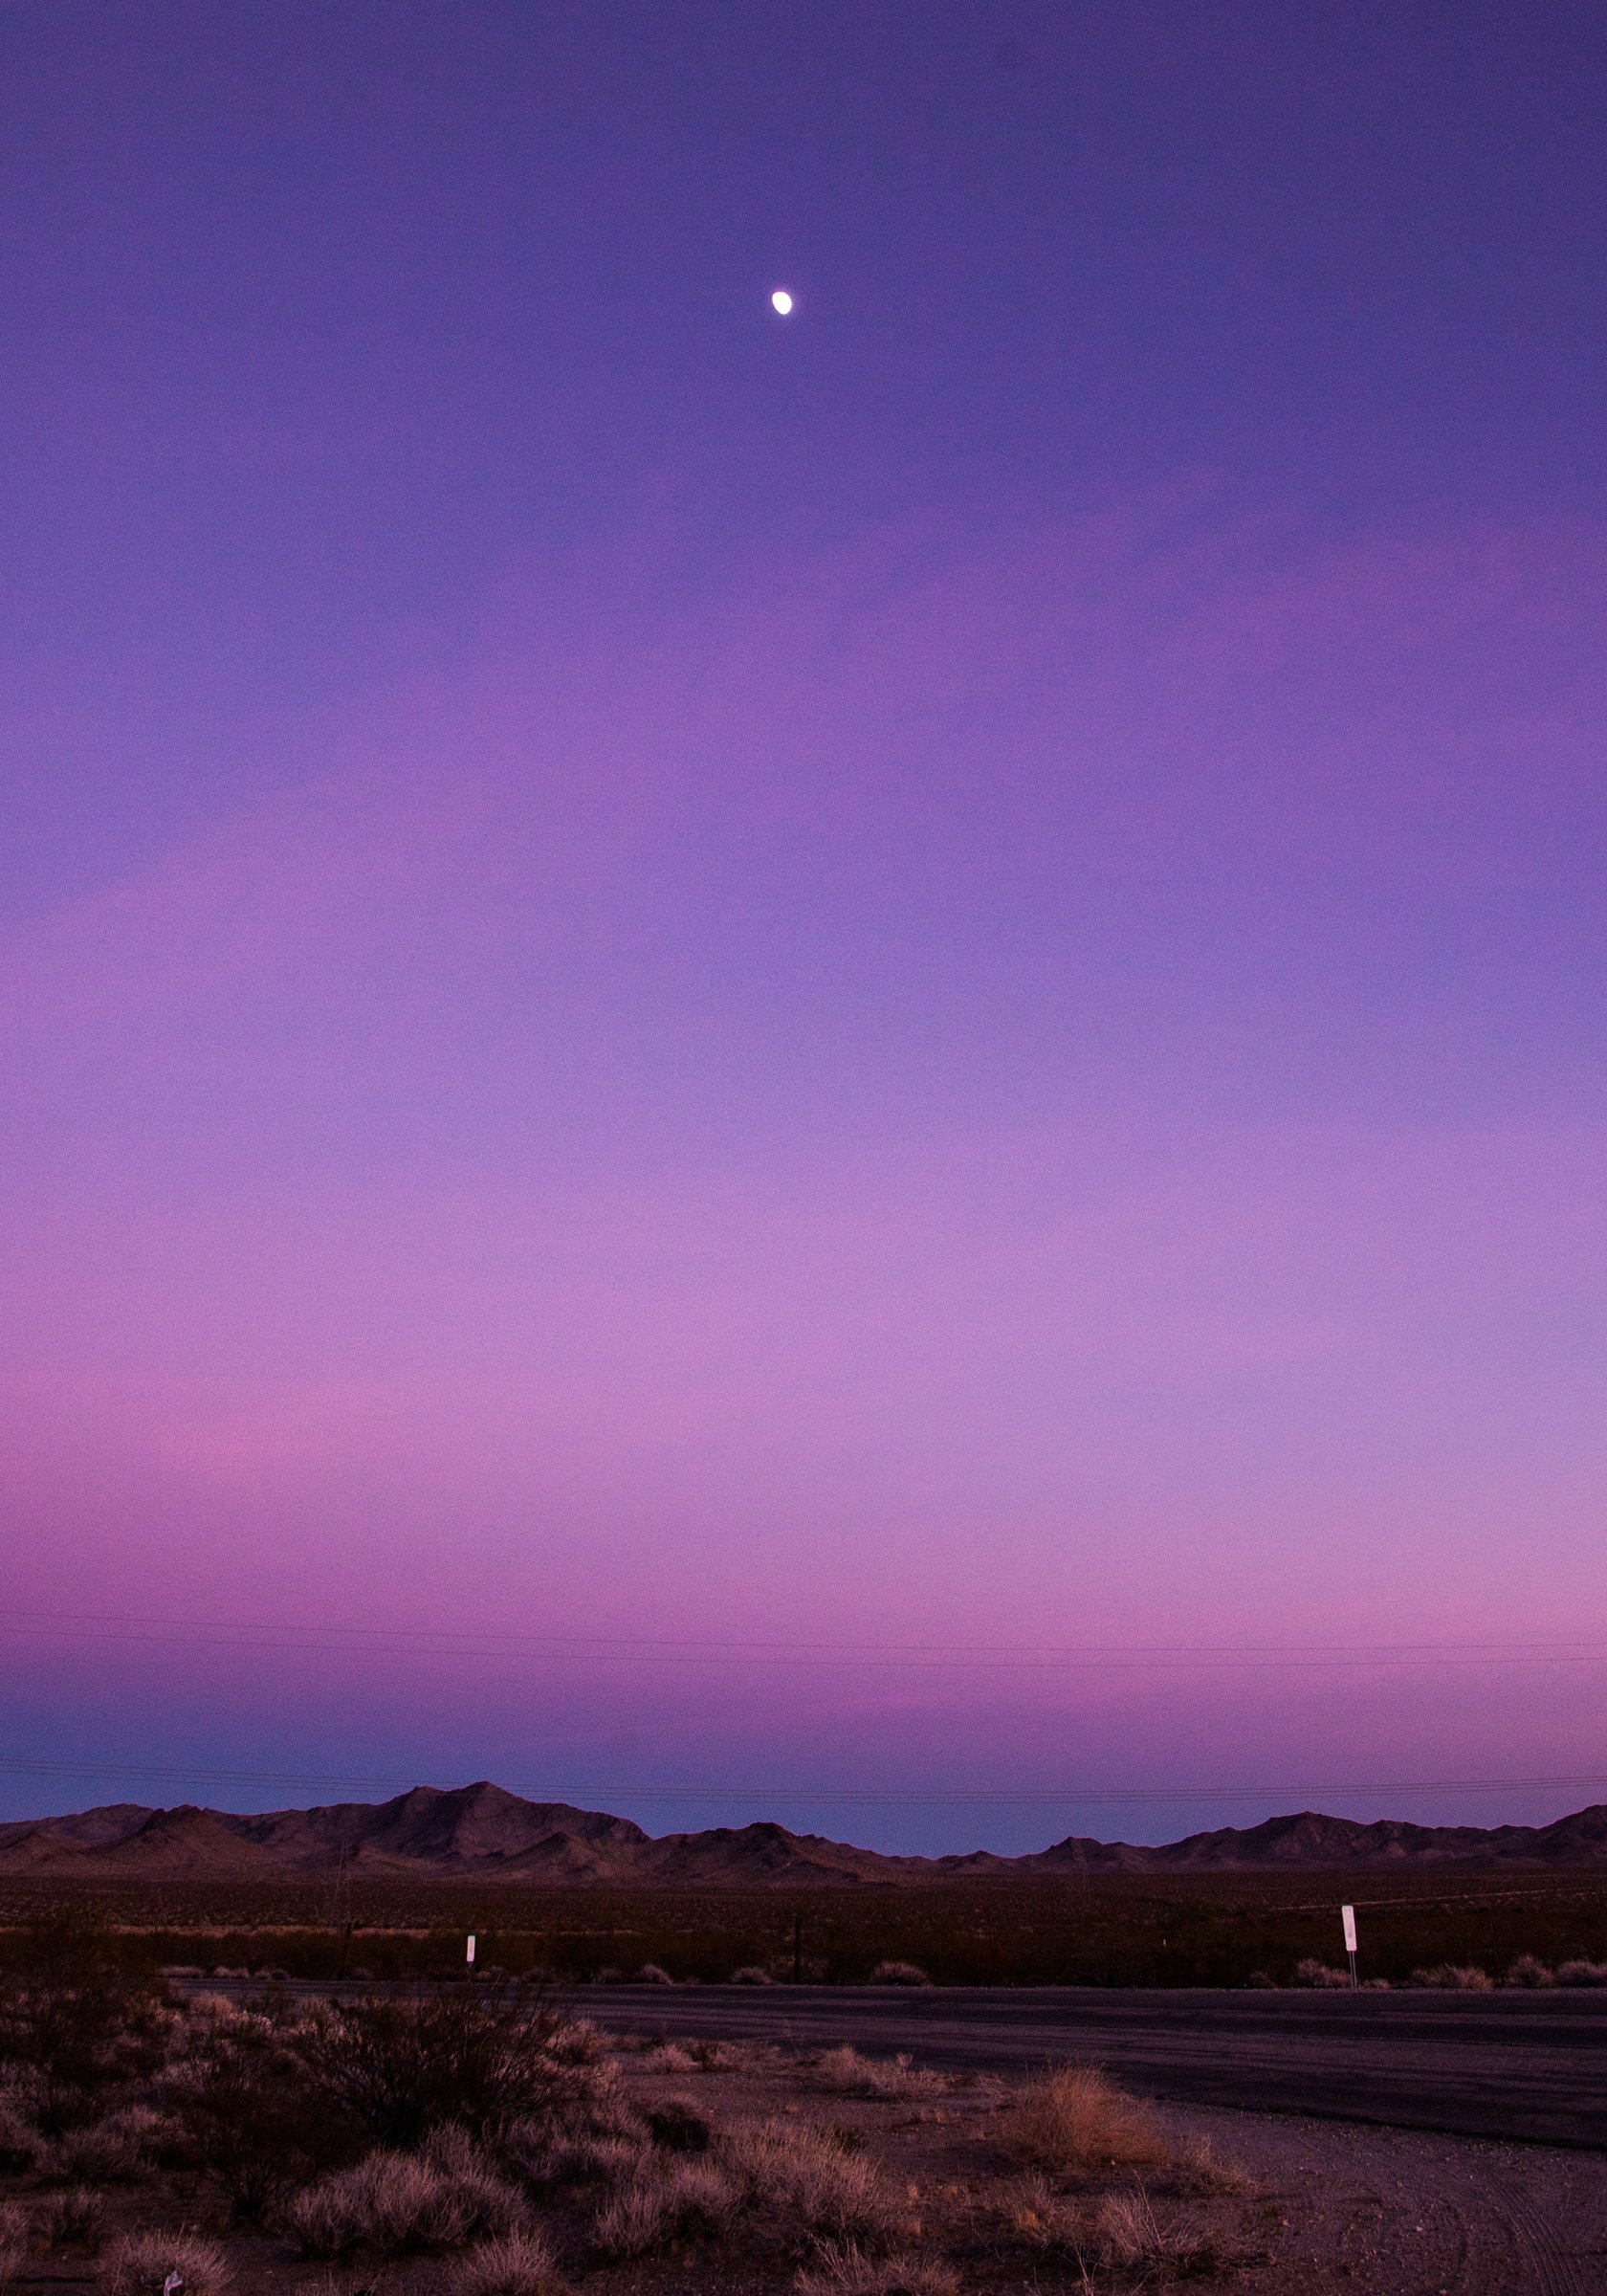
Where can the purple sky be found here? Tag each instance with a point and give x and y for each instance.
(857, 1055)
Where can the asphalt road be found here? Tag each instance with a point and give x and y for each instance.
(1525, 2066)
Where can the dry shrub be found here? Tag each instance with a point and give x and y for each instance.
(541, 2156)
(667, 2058)
(845, 2270)
(1074, 2124)
(651, 1974)
(392, 2204)
(1582, 1972)
(477, 2057)
(1319, 1977)
(120, 2149)
(898, 1973)
(14, 2242)
(750, 1975)
(254, 2115)
(1529, 1971)
(588, 2130)
(577, 2041)
(141, 2263)
(1454, 1976)
(845, 2073)
(694, 2198)
(81, 2044)
(21, 2145)
(801, 2182)
(519, 2265)
(72, 2220)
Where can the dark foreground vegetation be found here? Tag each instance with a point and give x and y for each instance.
(479, 2142)
(1208, 1930)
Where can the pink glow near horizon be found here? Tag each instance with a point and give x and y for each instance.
(982, 1119)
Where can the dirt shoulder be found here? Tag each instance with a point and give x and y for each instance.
(1391, 2212)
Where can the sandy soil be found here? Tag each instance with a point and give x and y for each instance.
(1397, 2213)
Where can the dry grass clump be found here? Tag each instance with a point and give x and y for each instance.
(21, 2144)
(1581, 1973)
(750, 1975)
(71, 2219)
(121, 2148)
(845, 2073)
(1074, 2123)
(898, 1973)
(577, 2041)
(1454, 1976)
(590, 2132)
(668, 2058)
(692, 2199)
(1529, 1971)
(1197, 2170)
(1035, 2214)
(542, 2158)
(1319, 1977)
(792, 2184)
(393, 2202)
(845, 2270)
(1122, 2236)
(1116, 2232)
(726, 2056)
(1122, 2232)
(801, 2181)
(144, 2261)
(14, 2242)
(211, 2008)
(519, 2265)
(651, 1974)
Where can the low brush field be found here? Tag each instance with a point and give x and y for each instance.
(483, 2143)
(1209, 1930)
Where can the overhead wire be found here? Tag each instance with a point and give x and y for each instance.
(844, 1797)
(313, 1636)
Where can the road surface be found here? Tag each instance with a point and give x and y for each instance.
(1518, 2066)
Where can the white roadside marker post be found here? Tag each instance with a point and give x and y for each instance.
(469, 1956)
(1347, 1914)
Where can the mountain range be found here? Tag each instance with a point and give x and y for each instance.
(485, 1833)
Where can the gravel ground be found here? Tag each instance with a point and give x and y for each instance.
(1388, 2212)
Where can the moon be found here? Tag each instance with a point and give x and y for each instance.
(781, 303)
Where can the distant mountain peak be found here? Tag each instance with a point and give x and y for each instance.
(485, 1832)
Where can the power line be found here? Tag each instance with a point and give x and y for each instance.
(853, 1796)
(1024, 1658)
